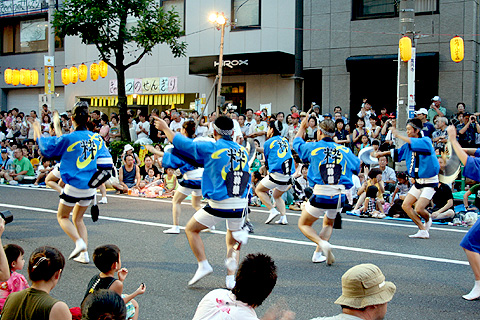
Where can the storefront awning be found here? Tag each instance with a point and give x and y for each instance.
(246, 63)
(361, 62)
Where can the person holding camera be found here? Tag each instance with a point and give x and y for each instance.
(467, 130)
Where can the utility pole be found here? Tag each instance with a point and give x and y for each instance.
(51, 45)
(220, 70)
(298, 96)
(407, 25)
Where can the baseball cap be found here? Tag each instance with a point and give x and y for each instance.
(364, 285)
(436, 98)
(258, 113)
(421, 111)
(327, 115)
(295, 115)
(4, 150)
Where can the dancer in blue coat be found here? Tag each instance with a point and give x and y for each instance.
(83, 154)
(330, 175)
(471, 242)
(225, 184)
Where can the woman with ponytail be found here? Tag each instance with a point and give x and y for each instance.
(84, 157)
(45, 267)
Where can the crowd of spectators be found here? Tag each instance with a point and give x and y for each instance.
(21, 163)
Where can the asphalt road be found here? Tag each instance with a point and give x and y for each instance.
(430, 275)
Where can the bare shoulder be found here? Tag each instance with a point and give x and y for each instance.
(60, 311)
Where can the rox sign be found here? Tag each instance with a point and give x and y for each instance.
(231, 63)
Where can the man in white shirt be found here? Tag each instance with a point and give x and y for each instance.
(33, 116)
(177, 122)
(249, 121)
(258, 130)
(255, 280)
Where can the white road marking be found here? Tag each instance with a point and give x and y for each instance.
(265, 238)
(379, 222)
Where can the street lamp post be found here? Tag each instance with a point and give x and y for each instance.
(220, 21)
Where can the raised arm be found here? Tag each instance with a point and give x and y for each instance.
(452, 135)
(161, 125)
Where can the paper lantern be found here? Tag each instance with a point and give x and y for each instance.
(103, 67)
(82, 72)
(24, 74)
(16, 77)
(405, 45)
(26, 77)
(34, 77)
(457, 49)
(73, 74)
(8, 76)
(94, 71)
(66, 76)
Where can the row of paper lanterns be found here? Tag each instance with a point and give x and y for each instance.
(457, 49)
(73, 74)
(23, 76)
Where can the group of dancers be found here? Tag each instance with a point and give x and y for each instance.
(218, 170)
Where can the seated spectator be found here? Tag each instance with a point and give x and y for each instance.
(372, 207)
(357, 135)
(442, 202)
(475, 190)
(374, 132)
(311, 132)
(365, 142)
(128, 150)
(256, 277)
(388, 174)
(254, 200)
(45, 268)
(23, 169)
(102, 305)
(170, 182)
(107, 260)
(6, 163)
(439, 137)
(374, 179)
(43, 170)
(128, 176)
(147, 166)
(467, 130)
(396, 200)
(365, 294)
(17, 281)
(299, 186)
(341, 135)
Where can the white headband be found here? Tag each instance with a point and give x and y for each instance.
(222, 132)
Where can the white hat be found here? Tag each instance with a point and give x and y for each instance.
(127, 147)
(421, 111)
(436, 98)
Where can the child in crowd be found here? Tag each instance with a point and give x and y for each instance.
(299, 186)
(401, 191)
(256, 178)
(107, 260)
(17, 282)
(365, 142)
(170, 182)
(372, 207)
(149, 179)
(42, 171)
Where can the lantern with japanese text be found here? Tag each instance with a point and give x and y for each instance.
(94, 71)
(103, 68)
(73, 74)
(405, 45)
(15, 77)
(8, 74)
(457, 49)
(66, 76)
(34, 77)
(82, 72)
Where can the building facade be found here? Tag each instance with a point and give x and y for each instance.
(258, 62)
(352, 46)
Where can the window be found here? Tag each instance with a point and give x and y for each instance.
(367, 9)
(23, 36)
(178, 6)
(246, 14)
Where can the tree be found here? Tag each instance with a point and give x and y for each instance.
(104, 23)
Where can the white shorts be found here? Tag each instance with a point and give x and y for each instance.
(317, 212)
(56, 172)
(81, 203)
(269, 184)
(189, 191)
(76, 196)
(426, 192)
(208, 220)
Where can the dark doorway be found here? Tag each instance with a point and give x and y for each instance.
(235, 93)
(312, 85)
(375, 78)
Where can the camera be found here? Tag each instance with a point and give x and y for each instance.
(7, 216)
(473, 119)
(229, 107)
